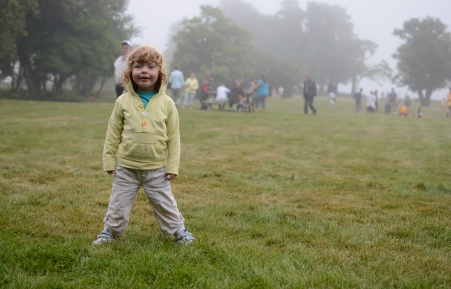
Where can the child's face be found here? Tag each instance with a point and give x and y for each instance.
(145, 75)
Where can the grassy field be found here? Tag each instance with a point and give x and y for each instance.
(275, 200)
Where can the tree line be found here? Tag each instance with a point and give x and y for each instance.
(235, 41)
(57, 42)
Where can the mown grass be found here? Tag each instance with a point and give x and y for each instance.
(276, 200)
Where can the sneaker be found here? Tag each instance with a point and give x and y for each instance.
(103, 237)
(185, 238)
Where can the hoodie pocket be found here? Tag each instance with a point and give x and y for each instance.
(143, 151)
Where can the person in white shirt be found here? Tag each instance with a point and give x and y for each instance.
(120, 65)
(370, 103)
(221, 95)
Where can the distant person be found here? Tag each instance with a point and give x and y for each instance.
(273, 92)
(176, 82)
(280, 90)
(448, 104)
(420, 113)
(120, 65)
(358, 101)
(211, 82)
(236, 96)
(387, 108)
(377, 100)
(142, 148)
(191, 86)
(309, 93)
(392, 96)
(221, 95)
(248, 89)
(332, 89)
(407, 101)
(403, 110)
(262, 91)
(205, 88)
(208, 90)
(370, 103)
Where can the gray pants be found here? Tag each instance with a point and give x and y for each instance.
(176, 94)
(158, 190)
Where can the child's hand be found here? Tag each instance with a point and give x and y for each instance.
(170, 177)
(111, 172)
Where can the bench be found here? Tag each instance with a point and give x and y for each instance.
(220, 103)
(211, 101)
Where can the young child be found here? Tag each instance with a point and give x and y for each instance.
(142, 148)
(419, 113)
(403, 110)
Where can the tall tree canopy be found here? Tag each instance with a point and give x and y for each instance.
(13, 25)
(424, 59)
(64, 39)
(319, 40)
(213, 42)
(12, 22)
(332, 50)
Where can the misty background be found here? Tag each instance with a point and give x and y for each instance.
(373, 20)
(64, 50)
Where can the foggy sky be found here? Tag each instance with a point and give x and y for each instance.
(373, 20)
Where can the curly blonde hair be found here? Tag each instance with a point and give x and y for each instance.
(145, 53)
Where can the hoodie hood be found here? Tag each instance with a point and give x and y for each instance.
(163, 69)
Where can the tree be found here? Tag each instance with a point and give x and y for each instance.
(277, 40)
(424, 59)
(319, 40)
(380, 71)
(213, 42)
(12, 21)
(71, 38)
(332, 51)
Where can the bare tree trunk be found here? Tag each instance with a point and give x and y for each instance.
(102, 83)
(87, 84)
(427, 100)
(425, 97)
(355, 85)
(33, 85)
(421, 95)
(18, 82)
(58, 87)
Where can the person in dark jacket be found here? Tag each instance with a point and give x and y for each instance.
(309, 94)
(236, 96)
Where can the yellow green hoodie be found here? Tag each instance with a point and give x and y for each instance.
(143, 139)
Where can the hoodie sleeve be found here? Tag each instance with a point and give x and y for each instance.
(113, 138)
(173, 142)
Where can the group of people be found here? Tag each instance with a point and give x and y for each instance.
(392, 105)
(252, 92)
(372, 104)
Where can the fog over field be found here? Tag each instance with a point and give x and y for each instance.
(373, 20)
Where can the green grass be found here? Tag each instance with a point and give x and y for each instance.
(276, 200)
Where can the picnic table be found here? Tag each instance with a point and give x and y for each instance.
(211, 101)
